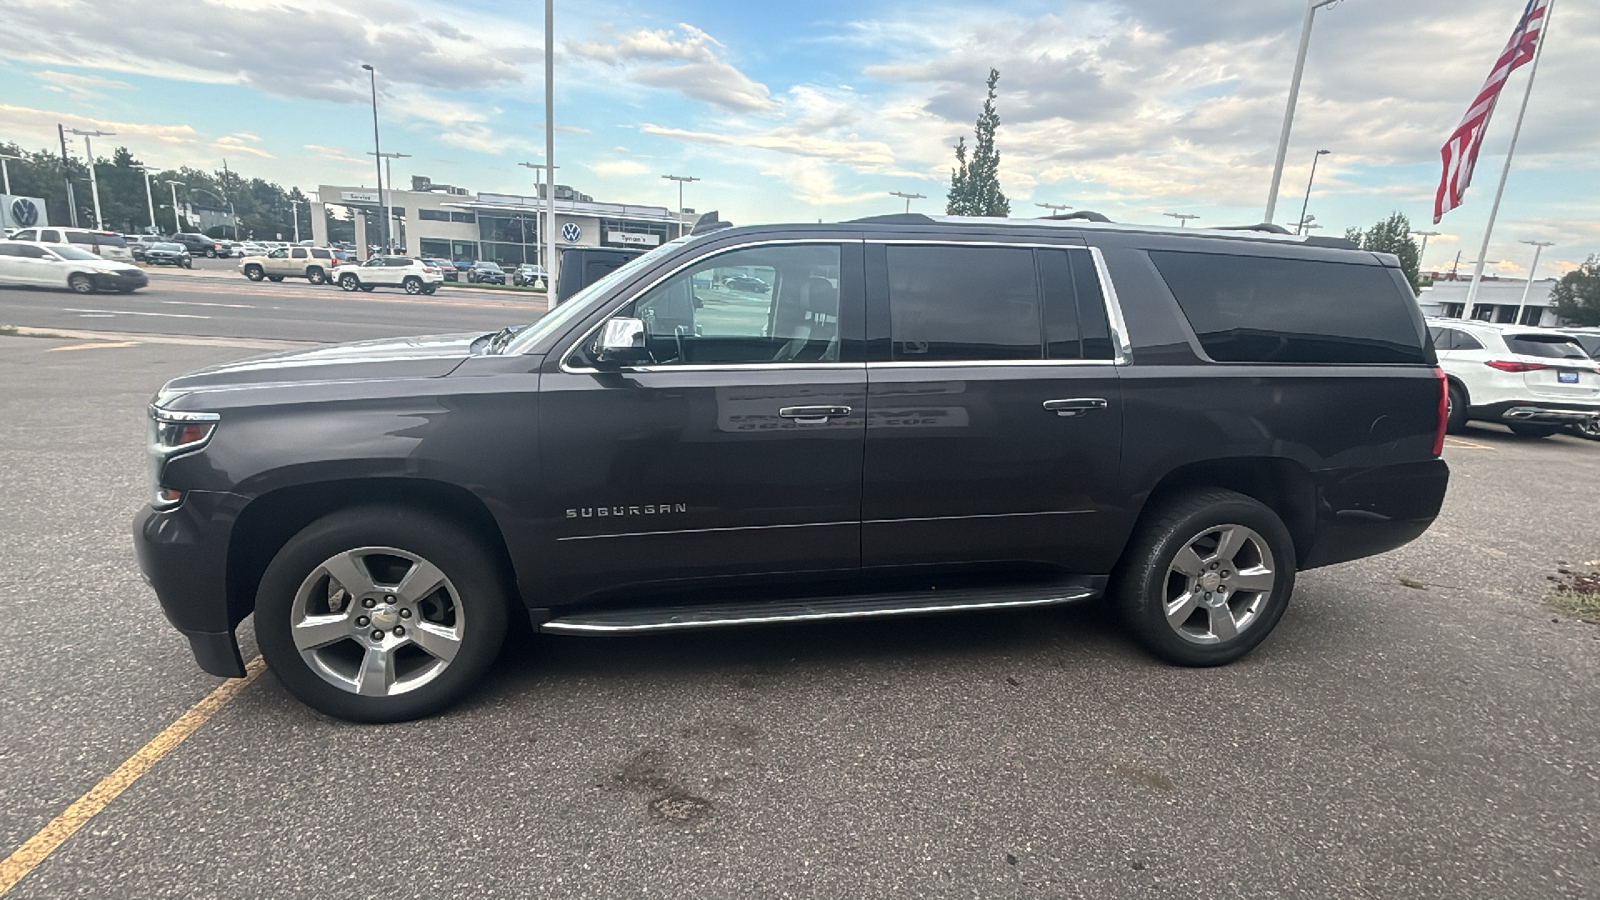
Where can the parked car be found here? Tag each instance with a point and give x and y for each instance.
(107, 244)
(486, 271)
(314, 264)
(1589, 340)
(1532, 380)
(252, 248)
(446, 268)
(924, 416)
(413, 275)
(66, 265)
(343, 257)
(527, 275)
(746, 283)
(199, 244)
(168, 253)
(138, 243)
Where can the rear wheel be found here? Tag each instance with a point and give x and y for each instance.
(1523, 429)
(316, 275)
(275, 278)
(81, 284)
(349, 282)
(381, 614)
(1206, 577)
(368, 287)
(1456, 418)
(412, 284)
(254, 273)
(1589, 428)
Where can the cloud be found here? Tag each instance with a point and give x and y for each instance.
(242, 143)
(683, 59)
(84, 87)
(336, 155)
(619, 168)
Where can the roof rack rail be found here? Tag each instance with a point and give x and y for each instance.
(1086, 215)
(894, 219)
(711, 221)
(1266, 227)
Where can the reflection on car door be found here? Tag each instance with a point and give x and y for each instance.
(994, 426)
(737, 452)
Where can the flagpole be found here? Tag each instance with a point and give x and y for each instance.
(1494, 211)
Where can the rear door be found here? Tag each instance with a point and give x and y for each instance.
(295, 263)
(994, 422)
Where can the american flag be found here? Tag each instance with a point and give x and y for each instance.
(1461, 151)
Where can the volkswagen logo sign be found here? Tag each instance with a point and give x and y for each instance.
(24, 212)
(571, 233)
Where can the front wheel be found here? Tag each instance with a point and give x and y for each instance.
(1206, 577)
(1455, 420)
(349, 282)
(430, 289)
(1522, 429)
(81, 284)
(413, 285)
(316, 276)
(187, 263)
(381, 614)
(211, 254)
(254, 273)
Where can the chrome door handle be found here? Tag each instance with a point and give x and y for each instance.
(1075, 407)
(813, 415)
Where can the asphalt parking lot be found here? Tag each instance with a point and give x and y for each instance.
(1431, 737)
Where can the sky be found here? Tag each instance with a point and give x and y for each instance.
(818, 110)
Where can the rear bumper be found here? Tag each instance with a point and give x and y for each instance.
(184, 555)
(1365, 512)
(1550, 412)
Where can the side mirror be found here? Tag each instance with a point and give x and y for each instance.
(622, 342)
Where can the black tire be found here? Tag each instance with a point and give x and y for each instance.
(274, 278)
(1144, 583)
(476, 589)
(187, 263)
(349, 281)
(316, 275)
(412, 284)
(369, 288)
(254, 273)
(1456, 421)
(211, 254)
(81, 284)
(1523, 429)
(430, 289)
(1588, 428)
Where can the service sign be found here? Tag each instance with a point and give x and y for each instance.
(359, 196)
(633, 239)
(22, 212)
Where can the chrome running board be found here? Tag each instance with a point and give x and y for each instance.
(634, 620)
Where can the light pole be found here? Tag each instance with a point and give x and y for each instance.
(177, 224)
(294, 212)
(1288, 114)
(1424, 251)
(148, 198)
(1183, 218)
(5, 172)
(377, 150)
(1538, 248)
(538, 241)
(94, 185)
(908, 198)
(683, 179)
(1309, 182)
(388, 177)
(1053, 207)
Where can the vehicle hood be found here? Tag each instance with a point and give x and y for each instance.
(430, 356)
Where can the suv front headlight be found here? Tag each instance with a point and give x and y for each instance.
(174, 433)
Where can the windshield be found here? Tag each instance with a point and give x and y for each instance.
(580, 302)
(66, 252)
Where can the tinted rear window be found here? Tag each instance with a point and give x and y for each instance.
(1258, 309)
(964, 303)
(1549, 346)
(110, 240)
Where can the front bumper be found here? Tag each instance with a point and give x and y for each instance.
(1544, 412)
(183, 553)
(121, 281)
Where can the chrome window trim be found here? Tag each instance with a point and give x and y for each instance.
(948, 242)
(572, 348)
(1119, 327)
(988, 363)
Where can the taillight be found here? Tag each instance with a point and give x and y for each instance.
(1444, 410)
(428, 271)
(1507, 365)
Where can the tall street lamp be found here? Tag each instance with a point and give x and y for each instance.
(550, 260)
(538, 190)
(294, 213)
(1054, 208)
(148, 198)
(1312, 180)
(177, 224)
(1424, 251)
(388, 170)
(5, 173)
(907, 197)
(683, 179)
(1538, 248)
(377, 150)
(1288, 114)
(1183, 218)
(94, 185)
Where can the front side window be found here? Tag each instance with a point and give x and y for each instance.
(949, 303)
(773, 304)
(278, 254)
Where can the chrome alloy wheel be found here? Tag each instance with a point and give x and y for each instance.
(377, 621)
(1218, 584)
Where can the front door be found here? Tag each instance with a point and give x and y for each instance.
(277, 262)
(994, 428)
(736, 451)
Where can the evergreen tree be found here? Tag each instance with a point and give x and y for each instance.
(1393, 235)
(975, 186)
(1577, 295)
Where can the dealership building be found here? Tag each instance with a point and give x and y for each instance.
(452, 223)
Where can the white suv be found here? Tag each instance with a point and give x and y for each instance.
(414, 275)
(1532, 380)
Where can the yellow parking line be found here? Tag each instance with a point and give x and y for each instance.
(1460, 444)
(41, 845)
(96, 345)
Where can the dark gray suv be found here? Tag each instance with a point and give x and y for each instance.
(919, 415)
